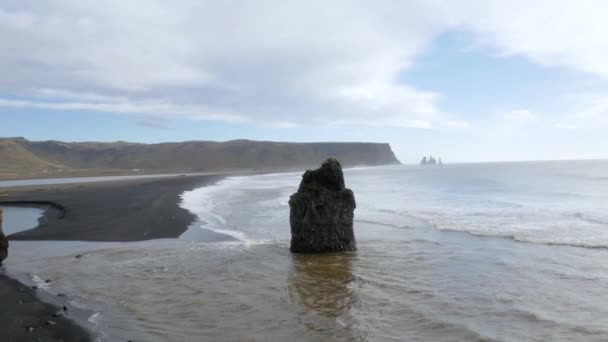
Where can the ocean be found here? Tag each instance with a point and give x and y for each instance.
(463, 252)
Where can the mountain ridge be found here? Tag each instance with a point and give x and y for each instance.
(20, 157)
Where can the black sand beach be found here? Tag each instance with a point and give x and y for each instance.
(25, 318)
(131, 210)
(127, 210)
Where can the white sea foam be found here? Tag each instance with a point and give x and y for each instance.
(251, 209)
(40, 283)
(94, 319)
(524, 207)
(202, 201)
(232, 233)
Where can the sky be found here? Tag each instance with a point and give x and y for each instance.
(467, 80)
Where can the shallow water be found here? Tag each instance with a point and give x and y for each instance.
(460, 253)
(16, 219)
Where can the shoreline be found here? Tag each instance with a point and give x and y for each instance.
(110, 211)
(25, 317)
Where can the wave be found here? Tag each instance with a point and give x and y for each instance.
(534, 227)
(94, 318)
(263, 196)
(41, 284)
(525, 239)
(591, 218)
(202, 202)
(392, 225)
(240, 236)
(221, 219)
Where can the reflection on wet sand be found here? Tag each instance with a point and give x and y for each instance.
(320, 282)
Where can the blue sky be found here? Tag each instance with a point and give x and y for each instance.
(473, 81)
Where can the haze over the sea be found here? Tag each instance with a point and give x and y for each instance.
(467, 80)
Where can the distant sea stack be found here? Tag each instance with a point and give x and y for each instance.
(322, 212)
(431, 161)
(3, 242)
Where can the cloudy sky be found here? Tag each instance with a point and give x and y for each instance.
(466, 80)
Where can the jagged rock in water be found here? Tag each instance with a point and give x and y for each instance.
(3, 242)
(424, 161)
(432, 161)
(322, 212)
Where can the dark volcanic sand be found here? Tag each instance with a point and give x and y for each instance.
(21, 309)
(130, 210)
(127, 210)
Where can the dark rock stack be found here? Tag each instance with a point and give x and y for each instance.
(3, 242)
(431, 161)
(322, 212)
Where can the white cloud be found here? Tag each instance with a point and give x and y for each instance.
(293, 62)
(585, 111)
(592, 106)
(276, 62)
(520, 115)
(552, 33)
(156, 109)
(281, 124)
(564, 125)
(456, 124)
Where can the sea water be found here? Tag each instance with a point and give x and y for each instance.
(16, 219)
(471, 252)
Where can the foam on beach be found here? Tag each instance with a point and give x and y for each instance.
(466, 204)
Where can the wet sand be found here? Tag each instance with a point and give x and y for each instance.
(132, 210)
(126, 210)
(25, 318)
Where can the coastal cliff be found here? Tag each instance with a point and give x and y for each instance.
(56, 157)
